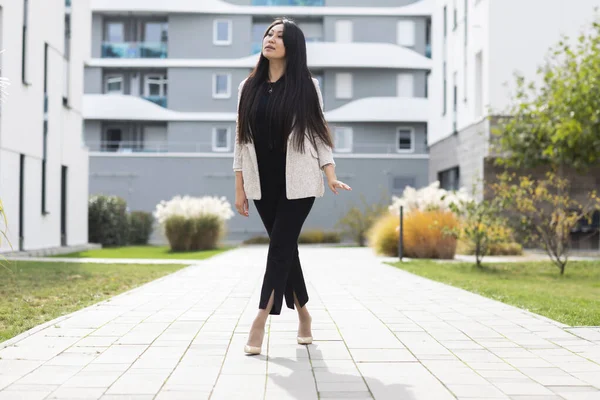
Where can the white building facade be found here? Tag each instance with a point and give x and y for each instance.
(43, 161)
(477, 46)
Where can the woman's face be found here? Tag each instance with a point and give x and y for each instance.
(273, 48)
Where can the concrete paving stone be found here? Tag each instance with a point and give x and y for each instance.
(480, 356)
(461, 345)
(478, 390)
(591, 378)
(126, 397)
(293, 352)
(345, 395)
(49, 375)
(506, 374)
(57, 331)
(329, 351)
(140, 381)
(239, 387)
(72, 359)
(94, 379)
(182, 395)
(528, 362)
(582, 366)
(159, 357)
(118, 354)
(68, 393)
(113, 329)
(522, 388)
(27, 392)
(379, 355)
(97, 341)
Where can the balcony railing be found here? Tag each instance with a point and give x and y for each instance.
(257, 46)
(300, 3)
(165, 146)
(428, 50)
(134, 50)
(160, 100)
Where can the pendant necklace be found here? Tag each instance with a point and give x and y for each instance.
(270, 87)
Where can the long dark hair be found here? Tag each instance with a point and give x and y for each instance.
(295, 107)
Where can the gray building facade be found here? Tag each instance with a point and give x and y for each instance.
(161, 94)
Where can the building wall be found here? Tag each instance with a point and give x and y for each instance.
(190, 89)
(22, 123)
(442, 156)
(134, 178)
(368, 83)
(345, 3)
(191, 36)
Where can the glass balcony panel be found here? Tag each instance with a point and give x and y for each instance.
(160, 100)
(134, 50)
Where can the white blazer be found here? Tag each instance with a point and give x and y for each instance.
(303, 172)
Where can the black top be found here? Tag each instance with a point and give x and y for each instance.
(268, 141)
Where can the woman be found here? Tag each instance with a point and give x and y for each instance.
(281, 149)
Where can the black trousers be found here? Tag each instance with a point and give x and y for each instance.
(283, 220)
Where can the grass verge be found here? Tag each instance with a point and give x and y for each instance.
(573, 299)
(145, 252)
(32, 293)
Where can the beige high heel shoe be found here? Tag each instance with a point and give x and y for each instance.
(305, 340)
(252, 349)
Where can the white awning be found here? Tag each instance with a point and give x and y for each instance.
(111, 107)
(320, 55)
(421, 8)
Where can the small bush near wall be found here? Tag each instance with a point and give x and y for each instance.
(318, 236)
(108, 223)
(257, 240)
(140, 227)
(192, 223)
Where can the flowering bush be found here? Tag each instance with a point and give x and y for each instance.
(430, 198)
(192, 223)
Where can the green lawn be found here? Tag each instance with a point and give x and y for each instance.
(573, 299)
(145, 252)
(32, 293)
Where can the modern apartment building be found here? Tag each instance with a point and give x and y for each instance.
(43, 161)
(161, 94)
(477, 47)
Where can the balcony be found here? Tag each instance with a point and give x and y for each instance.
(159, 100)
(257, 46)
(134, 50)
(428, 50)
(299, 3)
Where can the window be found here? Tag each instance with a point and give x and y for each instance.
(221, 86)
(343, 86)
(406, 85)
(24, 44)
(156, 32)
(454, 16)
(406, 33)
(342, 140)
(455, 102)
(112, 139)
(405, 140)
(222, 32)
(445, 89)
(114, 84)
(155, 85)
(445, 21)
(221, 139)
(343, 31)
(449, 179)
(45, 131)
(479, 84)
(466, 22)
(313, 31)
(115, 32)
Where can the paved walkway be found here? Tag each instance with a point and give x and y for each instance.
(380, 333)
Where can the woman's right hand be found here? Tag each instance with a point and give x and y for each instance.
(241, 202)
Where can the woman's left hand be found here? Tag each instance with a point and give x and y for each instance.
(335, 184)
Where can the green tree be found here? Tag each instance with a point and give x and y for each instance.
(356, 222)
(556, 123)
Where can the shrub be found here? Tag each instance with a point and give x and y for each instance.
(318, 236)
(140, 227)
(356, 222)
(193, 223)
(429, 198)
(495, 249)
(426, 234)
(383, 235)
(257, 240)
(545, 212)
(108, 223)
